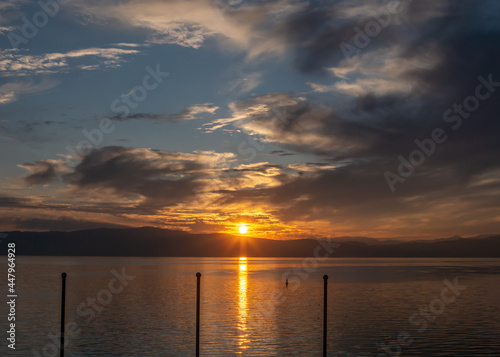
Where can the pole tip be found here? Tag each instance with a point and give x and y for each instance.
(198, 274)
(63, 275)
(325, 277)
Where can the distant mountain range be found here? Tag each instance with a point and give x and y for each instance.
(154, 242)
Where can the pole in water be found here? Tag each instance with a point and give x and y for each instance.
(63, 308)
(198, 276)
(286, 283)
(325, 299)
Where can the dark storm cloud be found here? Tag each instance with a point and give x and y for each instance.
(315, 36)
(462, 37)
(316, 32)
(162, 178)
(168, 178)
(466, 45)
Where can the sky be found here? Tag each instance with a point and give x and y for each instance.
(296, 118)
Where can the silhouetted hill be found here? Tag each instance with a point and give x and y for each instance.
(149, 242)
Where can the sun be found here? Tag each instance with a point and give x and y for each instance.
(243, 229)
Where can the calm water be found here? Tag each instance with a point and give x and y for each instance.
(247, 310)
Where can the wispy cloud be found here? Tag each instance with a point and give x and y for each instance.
(188, 113)
(6, 8)
(15, 63)
(253, 27)
(246, 82)
(10, 92)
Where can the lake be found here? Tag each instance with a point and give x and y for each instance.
(146, 306)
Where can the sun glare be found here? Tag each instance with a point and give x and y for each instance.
(243, 229)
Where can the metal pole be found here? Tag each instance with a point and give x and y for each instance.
(63, 308)
(198, 276)
(325, 301)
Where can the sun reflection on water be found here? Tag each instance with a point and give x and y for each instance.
(243, 340)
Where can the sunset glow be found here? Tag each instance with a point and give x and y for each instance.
(243, 229)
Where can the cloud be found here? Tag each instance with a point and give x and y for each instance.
(43, 171)
(294, 122)
(246, 83)
(14, 202)
(250, 27)
(188, 113)
(5, 29)
(192, 111)
(10, 92)
(312, 166)
(311, 31)
(8, 8)
(281, 153)
(149, 176)
(15, 63)
(174, 22)
(126, 44)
